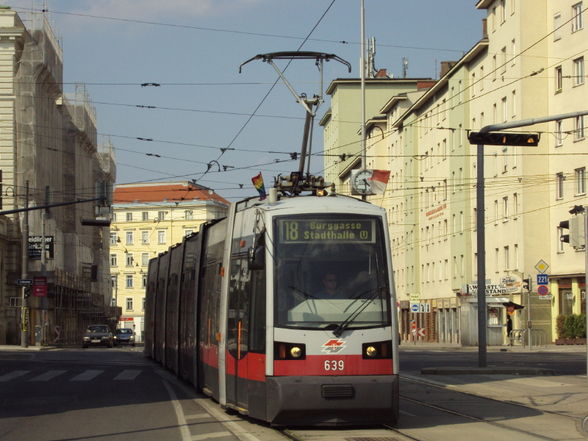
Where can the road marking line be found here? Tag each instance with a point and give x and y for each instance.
(233, 426)
(128, 374)
(211, 435)
(404, 412)
(12, 375)
(49, 375)
(88, 375)
(198, 416)
(182, 425)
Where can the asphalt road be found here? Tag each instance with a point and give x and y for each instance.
(116, 394)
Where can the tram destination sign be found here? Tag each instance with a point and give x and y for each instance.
(326, 230)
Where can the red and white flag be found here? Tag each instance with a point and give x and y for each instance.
(379, 181)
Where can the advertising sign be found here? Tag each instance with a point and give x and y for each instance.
(35, 247)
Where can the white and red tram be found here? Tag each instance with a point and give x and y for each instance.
(240, 311)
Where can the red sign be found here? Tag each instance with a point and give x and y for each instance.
(126, 319)
(422, 332)
(542, 290)
(39, 286)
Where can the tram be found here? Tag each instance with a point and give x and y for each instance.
(243, 311)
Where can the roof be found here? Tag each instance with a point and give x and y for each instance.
(164, 192)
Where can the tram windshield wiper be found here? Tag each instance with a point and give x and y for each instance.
(351, 317)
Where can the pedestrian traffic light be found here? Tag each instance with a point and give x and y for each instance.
(504, 138)
(27, 292)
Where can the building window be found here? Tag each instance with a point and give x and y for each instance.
(515, 204)
(129, 236)
(559, 185)
(577, 20)
(513, 104)
(556, 27)
(144, 284)
(144, 259)
(161, 237)
(579, 128)
(144, 237)
(129, 303)
(188, 214)
(129, 217)
(161, 215)
(507, 257)
(113, 261)
(129, 259)
(558, 133)
(579, 71)
(113, 281)
(145, 215)
(129, 280)
(505, 212)
(580, 174)
(558, 79)
(113, 238)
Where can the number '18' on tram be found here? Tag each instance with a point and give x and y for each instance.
(284, 311)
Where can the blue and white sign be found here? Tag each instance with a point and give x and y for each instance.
(414, 307)
(542, 279)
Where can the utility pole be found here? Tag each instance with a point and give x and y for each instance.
(24, 313)
(480, 138)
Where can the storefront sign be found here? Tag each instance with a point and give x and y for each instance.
(35, 247)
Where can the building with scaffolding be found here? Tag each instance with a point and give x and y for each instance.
(49, 155)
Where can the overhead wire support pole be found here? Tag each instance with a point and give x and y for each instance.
(481, 227)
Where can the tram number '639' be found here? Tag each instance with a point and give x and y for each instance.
(334, 365)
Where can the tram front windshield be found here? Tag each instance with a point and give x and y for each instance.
(330, 270)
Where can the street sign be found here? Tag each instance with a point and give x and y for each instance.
(24, 282)
(414, 307)
(542, 279)
(424, 307)
(542, 290)
(542, 266)
(422, 332)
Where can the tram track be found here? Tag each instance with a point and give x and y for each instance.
(443, 415)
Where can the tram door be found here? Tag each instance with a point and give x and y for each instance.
(238, 332)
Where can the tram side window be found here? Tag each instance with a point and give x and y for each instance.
(257, 334)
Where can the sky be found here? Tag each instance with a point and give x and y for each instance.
(206, 121)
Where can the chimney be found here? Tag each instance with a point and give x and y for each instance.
(446, 66)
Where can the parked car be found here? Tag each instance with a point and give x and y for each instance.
(124, 336)
(98, 335)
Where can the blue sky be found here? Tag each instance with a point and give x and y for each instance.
(193, 48)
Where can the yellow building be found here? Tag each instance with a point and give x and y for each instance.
(147, 219)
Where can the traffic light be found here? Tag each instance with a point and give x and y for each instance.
(576, 234)
(527, 284)
(27, 292)
(504, 138)
(564, 225)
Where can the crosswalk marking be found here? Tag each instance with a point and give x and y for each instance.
(210, 435)
(128, 374)
(12, 375)
(88, 375)
(49, 375)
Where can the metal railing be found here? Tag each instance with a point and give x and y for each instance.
(521, 337)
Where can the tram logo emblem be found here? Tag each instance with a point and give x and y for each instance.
(333, 346)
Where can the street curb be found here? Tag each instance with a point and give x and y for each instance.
(490, 370)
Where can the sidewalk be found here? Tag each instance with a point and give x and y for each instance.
(420, 346)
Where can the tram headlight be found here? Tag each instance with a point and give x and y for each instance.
(371, 352)
(289, 351)
(377, 350)
(295, 352)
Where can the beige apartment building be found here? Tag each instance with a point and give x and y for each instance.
(49, 154)
(528, 64)
(148, 218)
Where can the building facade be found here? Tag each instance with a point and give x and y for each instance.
(148, 218)
(49, 155)
(529, 64)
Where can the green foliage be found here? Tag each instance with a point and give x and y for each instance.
(571, 326)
